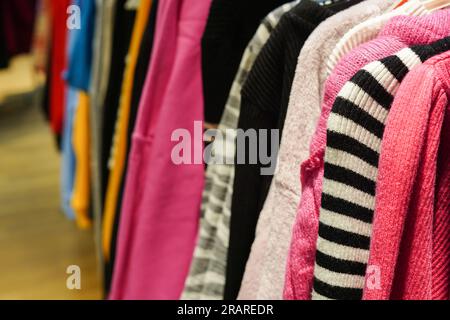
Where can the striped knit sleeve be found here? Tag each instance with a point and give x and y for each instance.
(354, 134)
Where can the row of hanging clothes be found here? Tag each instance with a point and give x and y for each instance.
(358, 205)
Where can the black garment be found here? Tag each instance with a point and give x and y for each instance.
(4, 59)
(231, 25)
(333, 4)
(339, 5)
(45, 99)
(4, 56)
(138, 84)
(265, 99)
(123, 28)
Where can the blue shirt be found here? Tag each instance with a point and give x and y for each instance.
(81, 53)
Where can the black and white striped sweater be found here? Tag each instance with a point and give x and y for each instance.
(354, 134)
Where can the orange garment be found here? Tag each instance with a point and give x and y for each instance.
(81, 135)
(118, 156)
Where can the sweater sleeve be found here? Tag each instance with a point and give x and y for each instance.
(403, 212)
(441, 228)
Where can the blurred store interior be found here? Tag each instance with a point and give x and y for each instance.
(37, 242)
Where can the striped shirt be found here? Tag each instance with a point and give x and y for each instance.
(354, 134)
(207, 275)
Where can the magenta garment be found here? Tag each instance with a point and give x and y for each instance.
(18, 23)
(161, 206)
(398, 33)
(411, 233)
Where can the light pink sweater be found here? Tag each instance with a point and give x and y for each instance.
(400, 32)
(411, 233)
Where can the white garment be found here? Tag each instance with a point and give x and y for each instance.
(369, 29)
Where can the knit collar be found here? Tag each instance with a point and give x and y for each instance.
(271, 65)
(419, 29)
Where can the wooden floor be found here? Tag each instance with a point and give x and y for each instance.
(19, 77)
(37, 242)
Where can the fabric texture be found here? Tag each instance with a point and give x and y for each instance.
(265, 270)
(58, 56)
(81, 195)
(397, 34)
(410, 240)
(75, 171)
(78, 77)
(103, 46)
(369, 29)
(68, 161)
(207, 274)
(4, 54)
(231, 25)
(123, 28)
(355, 130)
(80, 65)
(161, 205)
(265, 97)
(120, 138)
(101, 62)
(41, 38)
(138, 84)
(101, 58)
(18, 17)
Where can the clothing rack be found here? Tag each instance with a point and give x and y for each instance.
(328, 77)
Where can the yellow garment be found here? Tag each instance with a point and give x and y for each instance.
(118, 157)
(82, 188)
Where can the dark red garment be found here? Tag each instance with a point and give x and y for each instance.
(18, 23)
(58, 63)
(4, 55)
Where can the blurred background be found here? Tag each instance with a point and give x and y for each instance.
(37, 242)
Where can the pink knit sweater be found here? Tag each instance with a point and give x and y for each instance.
(400, 32)
(411, 233)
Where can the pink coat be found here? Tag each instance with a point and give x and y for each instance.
(161, 205)
(398, 33)
(411, 232)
